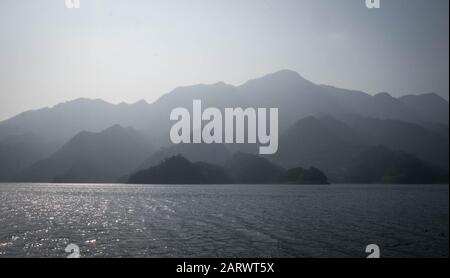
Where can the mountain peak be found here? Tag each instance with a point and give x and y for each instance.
(282, 77)
(202, 87)
(434, 95)
(287, 72)
(141, 102)
(383, 95)
(117, 130)
(114, 127)
(286, 75)
(85, 100)
(81, 101)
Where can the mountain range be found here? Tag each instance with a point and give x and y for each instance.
(321, 126)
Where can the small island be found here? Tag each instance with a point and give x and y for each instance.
(240, 169)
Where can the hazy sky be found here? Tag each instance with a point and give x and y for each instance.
(127, 50)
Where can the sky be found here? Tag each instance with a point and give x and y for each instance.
(129, 50)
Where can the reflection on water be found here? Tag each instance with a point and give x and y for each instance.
(223, 220)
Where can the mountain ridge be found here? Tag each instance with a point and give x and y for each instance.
(109, 155)
(349, 121)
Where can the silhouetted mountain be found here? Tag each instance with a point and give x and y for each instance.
(219, 95)
(252, 169)
(179, 170)
(331, 144)
(213, 174)
(242, 168)
(93, 157)
(63, 121)
(382, 165)
(306, 176)
(430, 106)
(19, 152)
(324, 142)
(295, 97)
(408, 137)
(440, 129)
(298, 98)
(414, 124)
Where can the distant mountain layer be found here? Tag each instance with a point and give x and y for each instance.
(382, 165)
(92, 157)
(331, 144)
(321, 127)
(295, 97)
(21, 151)
(354, 150)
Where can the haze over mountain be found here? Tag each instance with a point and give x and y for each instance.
(93, 157)
(63, 121)
(383, 165)
(320, 126)
(428, 106)
(18, 152)
(298, 98)
(321, 142)
(331, 145)
(295, 97)
(422, 142)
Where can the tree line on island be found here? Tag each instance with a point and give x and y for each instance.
(377, 165)
(242, 169)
